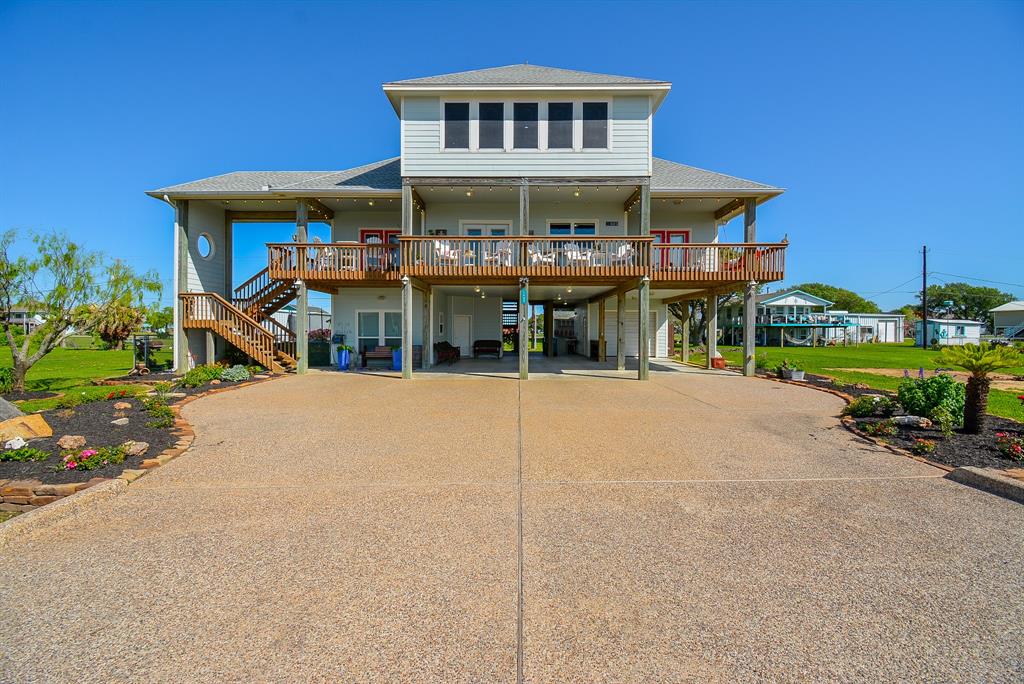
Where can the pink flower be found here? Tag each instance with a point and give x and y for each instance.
(70, 465)
(86, 453)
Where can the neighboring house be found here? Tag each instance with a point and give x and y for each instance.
(516, 186)
(24, 319)
(1008, 320)
(799, 318)
(318, 317)
(949, 331)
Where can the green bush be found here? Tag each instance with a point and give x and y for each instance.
(883, 428)
(162, 416)
(235, 374)
(91, 459)
(863, 407)
(25, 453)
(6, 380)
(923, 447)
(200, 375)
(931, 395)
(70, 401)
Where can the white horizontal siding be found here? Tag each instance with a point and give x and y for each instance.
(629, 154)
(206, 274)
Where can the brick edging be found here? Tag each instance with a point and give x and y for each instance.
(30, 495)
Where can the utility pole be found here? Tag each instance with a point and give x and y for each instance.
(924, 296)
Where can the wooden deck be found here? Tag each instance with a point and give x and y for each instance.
(578, 259)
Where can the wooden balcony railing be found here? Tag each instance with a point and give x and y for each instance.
(569, 256)
(332, 261)
(509, 257)
(718, 261)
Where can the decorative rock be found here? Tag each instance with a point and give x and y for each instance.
(122, 406)
(15, 443)
(215, 382)
(260, 377)
(42, 500)
(912, 421)
(133, 448)
(70, 442)
(131, 475)
(177, 395)
(119, 421)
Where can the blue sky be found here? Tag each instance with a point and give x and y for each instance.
(890, 124)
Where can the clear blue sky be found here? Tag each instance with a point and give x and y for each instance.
(891, 124)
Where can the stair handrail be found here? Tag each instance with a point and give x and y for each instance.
(248, 290)
(261, 339)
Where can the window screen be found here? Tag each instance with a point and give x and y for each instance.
(525, 137)
(560, 126)
(456, 125)
(492, 126)
(595, 125)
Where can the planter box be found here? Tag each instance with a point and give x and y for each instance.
(793, 374)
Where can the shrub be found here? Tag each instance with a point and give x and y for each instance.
(923, 447)
(25, 453)
(117, 395)
(863, 407)
(91, 459)
(255, 369)
(162, 416)
(235, 374)
(761, 361)
(200, 375)
(320, 335)
(944, 420)
(925, 396)
(883, 428)
(1010, 445)
(6, 380)
(69, 401)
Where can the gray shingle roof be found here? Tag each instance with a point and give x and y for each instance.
(385, 175)
(669, 175)
(526, 74)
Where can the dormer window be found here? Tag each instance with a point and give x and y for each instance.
(560, 125)
(492, 125)
(595, 125)
(456, 126)
(526, 115)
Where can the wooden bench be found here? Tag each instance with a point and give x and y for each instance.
(377, 353)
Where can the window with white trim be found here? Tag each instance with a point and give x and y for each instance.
(560, 125)
(492, 126)
(572, 228)
(456, 125)
(595, 125)
(525, 115)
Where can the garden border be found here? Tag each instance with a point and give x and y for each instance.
(54, 502)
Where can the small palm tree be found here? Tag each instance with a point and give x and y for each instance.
(979, 360)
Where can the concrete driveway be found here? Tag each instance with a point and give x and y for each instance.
(701, 527)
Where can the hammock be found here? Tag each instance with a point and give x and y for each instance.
(806, 342)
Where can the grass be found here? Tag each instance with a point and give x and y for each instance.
(842, 363)
(7, 515)
(73, 371)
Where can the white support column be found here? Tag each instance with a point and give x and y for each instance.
(180, 283)
(301, 292)
(406, 328)
(711, 317)
(644, 294)
(427, 347)
(524, 333)
(620, 330)
(407, 209)
(685, 326)
(211, 348)
(750, 292)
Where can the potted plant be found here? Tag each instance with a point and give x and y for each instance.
(396, 358)
(344, 356)
(790, 371)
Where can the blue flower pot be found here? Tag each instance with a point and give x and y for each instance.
(344, 357)
(396, 359)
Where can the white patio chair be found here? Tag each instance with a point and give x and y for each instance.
(576, 256)
(500, 255)
(622, 256)
(540, 258)
(445, 254)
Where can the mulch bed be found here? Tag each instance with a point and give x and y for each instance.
(958, 450)
(91, 421)
(15, 397)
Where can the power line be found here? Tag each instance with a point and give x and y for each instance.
(980, 280)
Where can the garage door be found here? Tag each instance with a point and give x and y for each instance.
(631, 333)
(887, 331)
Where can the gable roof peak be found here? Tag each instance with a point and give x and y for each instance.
(526, 74)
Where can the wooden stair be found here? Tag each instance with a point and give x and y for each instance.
(261, 296)
(274, 348)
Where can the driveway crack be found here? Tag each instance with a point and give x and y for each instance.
(519, 533)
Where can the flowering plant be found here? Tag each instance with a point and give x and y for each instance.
(117, 395)
(1010, 445)
(91, 459)
(923, 446)
(323, 334)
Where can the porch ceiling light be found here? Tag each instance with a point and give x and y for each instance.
(469, 193)
(371, 203)
(569, 290)
(577, 193)
(476, 289)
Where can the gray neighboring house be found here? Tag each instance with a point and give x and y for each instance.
(516, 186)
(1008, 320)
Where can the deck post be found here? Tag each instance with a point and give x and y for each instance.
(301, 293)
(407, 209)
(406, 328)
(549, 329)
(428, 328)
(524, 328)
(644, 294)
(180, 284)
(524, 209)
(211, 348)
(602, 355)
(645, 209)
(620, 329)
(711, 316)
(685, 325)
(750, 292)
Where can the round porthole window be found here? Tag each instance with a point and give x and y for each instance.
(205, 246)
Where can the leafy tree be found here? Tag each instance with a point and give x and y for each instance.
(120, 311)
(979, 360)
(843, 299)
(698, 314)
(970, 302)
(57, 284)
(160, 318)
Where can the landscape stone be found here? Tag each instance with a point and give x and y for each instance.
(15, 443)
(912, 421)
(26, 427)
(122, 405)
(215, 382)
(133, 448)
(119, 421)
(9, 410)
(69, 442)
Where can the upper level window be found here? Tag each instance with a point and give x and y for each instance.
(456, 125)
(572, 228)
(595, 125)
(492, 126)
(525, 130)
(560, 126)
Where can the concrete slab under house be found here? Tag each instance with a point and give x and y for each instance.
(519, 190)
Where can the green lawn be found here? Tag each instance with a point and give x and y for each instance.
(826, 361)
(73, 370)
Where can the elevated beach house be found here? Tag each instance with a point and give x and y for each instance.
(1008, 321)
(517, 187)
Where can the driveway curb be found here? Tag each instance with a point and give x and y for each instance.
(989, 480)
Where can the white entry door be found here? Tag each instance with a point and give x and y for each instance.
(630, 332)
(462, 336)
